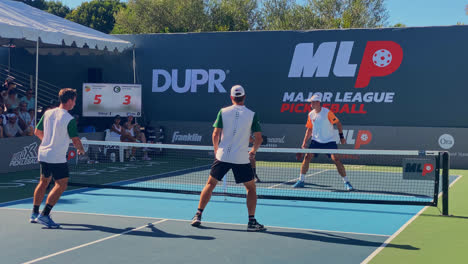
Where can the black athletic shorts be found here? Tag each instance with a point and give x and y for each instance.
(56, 170)
(242, 172)
(317, 145)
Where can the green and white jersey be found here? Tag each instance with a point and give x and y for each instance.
(58, 127)
(237, 122)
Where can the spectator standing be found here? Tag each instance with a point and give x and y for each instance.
(12, 101)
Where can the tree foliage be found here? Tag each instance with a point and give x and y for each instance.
(54, 7)
(159, 16)
(58, 8)
(167, 16)
(232, 15)
(97, 14)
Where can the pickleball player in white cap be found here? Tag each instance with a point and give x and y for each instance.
(320, 129)
(231, 134)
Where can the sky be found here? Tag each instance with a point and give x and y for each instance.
(412, 13)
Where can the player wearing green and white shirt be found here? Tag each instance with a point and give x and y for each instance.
(55, 129)
(232, 130)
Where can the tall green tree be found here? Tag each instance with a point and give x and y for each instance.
(97, 14)
(156, 16)
(349, 13)
(286, 15)
(233, 15)
(161, 16)
(58, 8)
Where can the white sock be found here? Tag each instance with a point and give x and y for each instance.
(345, 179)
(302, 177)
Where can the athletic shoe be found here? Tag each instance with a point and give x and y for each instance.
(348, 186)
(146, 158)
(299, 184)
(47, 221)
(196, 220)
(254, 226)
(132, 158)
(33, 218)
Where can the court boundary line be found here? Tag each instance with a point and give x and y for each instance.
(208, 222)
(85, 189)
(386, 242)
(309, 175)
(295, 179)
(92, 242)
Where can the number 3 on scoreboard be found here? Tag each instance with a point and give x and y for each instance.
(127, 100)
(97, 99)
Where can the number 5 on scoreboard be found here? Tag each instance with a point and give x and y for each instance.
(97, 99)
(127, 100)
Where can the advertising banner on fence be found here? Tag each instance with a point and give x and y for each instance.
(357, 137)
(20, 153)
(367, 77)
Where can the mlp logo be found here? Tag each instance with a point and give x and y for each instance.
(380, 58)
(423, 169)
(418, 169)
(363, 137)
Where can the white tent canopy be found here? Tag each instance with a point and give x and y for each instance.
(23, 25)
(27, 27)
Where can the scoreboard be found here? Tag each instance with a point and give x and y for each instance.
(111, 99)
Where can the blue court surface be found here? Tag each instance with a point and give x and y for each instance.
(122, 226)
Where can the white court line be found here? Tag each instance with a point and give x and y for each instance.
(357, 167)
(83, 189)
(91, 243)
(377, 251)
(220, 223)
(295, 179)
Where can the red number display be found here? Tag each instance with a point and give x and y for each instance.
(97, 99)
(127, 100)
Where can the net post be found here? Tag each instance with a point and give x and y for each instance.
(445, 184)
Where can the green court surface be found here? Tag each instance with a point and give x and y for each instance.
(440, 239)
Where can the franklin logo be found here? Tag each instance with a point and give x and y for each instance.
(117, 89)
(27, 156)
(186, 138)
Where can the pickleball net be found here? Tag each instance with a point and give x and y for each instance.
(378, 176)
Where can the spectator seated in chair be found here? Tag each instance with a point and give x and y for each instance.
(12, 128)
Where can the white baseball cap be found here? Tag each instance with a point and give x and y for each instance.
(315, 98)
(237, 91)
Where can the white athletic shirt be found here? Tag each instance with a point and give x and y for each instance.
(237, 122)
(322, 125)
(113, 133)
(58, 127)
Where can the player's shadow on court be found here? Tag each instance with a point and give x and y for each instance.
(322, 237)
(155, 232)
